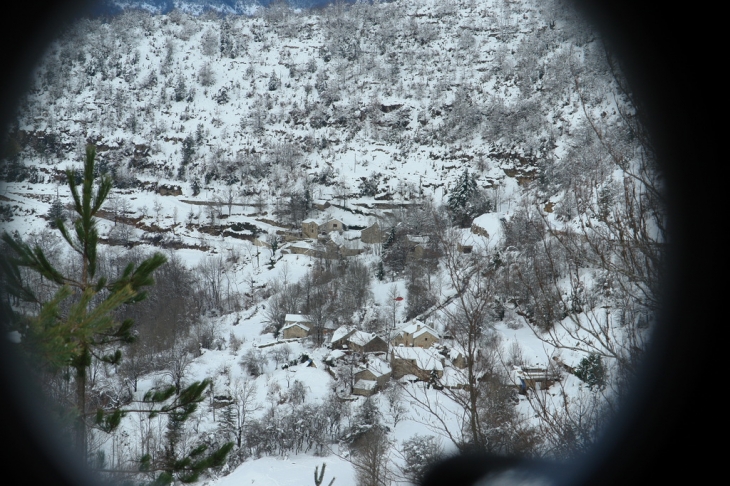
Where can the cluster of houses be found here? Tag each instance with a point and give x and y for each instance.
(333, 240)
(413, 352)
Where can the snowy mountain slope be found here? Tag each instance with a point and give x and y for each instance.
(222, 133)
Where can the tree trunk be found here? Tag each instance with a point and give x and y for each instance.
(80, 426)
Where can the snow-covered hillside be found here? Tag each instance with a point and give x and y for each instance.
(471, 167)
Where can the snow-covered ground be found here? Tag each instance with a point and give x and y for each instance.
(211, 126)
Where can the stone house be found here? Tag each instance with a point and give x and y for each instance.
(333, 225)
(375, 370)
(365, 388)
(358, 341)
(372, 235)
(416, 334)
(533, 377)
(320, 204)
(310, 228)
(457, 358)
(296, 330)
(340, 335)
(423, 363)
(296, 326)
(365, 342)
(418, 247)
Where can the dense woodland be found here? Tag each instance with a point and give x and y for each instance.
(216, 136)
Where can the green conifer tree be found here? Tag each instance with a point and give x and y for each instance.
(460, 199)
(69, 335)
(78, 324)
(56, 213)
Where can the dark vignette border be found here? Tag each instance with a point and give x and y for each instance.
(664, 51)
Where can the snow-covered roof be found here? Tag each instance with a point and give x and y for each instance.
(418, 239)
(337, 238)
(292, 318)
(351, 235)
(361, 338)
(296, 324)
(454, 353)
(378, 366)
(341, 332)
(335, 354)
(418, 328)
(310, 220)
(426, 359)
(425, 329)
(453, 377)
(533, 373)
(366, 384)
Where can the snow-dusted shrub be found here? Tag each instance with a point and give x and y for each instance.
(206, 77)
(253, 362)
(419, 453)
(209, 43)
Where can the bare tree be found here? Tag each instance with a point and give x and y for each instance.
(281, 354)
(370, 458)
(394, 303)
(176, 363)
(230, 198)
(213, 282)
(485, 413)
(244, 398)
(114, 204)
(157, 208)
(570, 423)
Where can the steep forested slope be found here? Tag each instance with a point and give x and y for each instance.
(493, 140)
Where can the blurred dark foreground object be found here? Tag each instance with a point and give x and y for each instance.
(657, 432)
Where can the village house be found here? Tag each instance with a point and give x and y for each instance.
(347, 243)
(372, 235)
(457, 358)
(365, 388)
(320, 204)
(419, 246)
(310, 228)
(296, 326)
(375, 370)
(340, 335)
(423, 363)
(296, 330)
(322, 248)
(533, 377)
(365, 342)
(358, 341)
(416, 334)
(333, 225)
